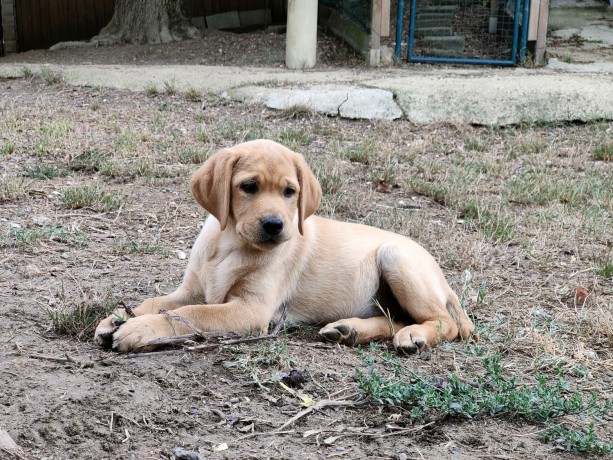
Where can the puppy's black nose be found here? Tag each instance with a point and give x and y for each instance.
(272, 225)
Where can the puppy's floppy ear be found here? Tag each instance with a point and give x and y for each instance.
(310, 191)
(211, 184)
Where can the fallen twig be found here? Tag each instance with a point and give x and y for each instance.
(318, 405)
(67, 359)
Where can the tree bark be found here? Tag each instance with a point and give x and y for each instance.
(146, 22)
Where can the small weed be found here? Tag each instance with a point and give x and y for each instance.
(126, 142)
(7, 148)
(494, 225)
(256, 358)
(192, 156)
(92, 198)
(51, 77)
(26, 72)
(330, 178)
(12, 188)
(294, 139)
(203, 136)
(170, 87)
(128, 246)
(44, 171)
(296, 111)
(475, 144)
(568, 59)
(358, 153)
(606, 271)
(579, 441)
(151, 89)
(81, 320)
(90, 161)
(193, 95)
(604, 151)
(95, 105)
(30, 238)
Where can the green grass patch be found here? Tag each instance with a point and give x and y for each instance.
(7, 148)
(51, 77)
(492, 393)
(29, 238)
(129, 246)
(43, 171)
(12, 188)
(604, 151)
(92, 197)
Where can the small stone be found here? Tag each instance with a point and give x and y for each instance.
(181, 255)
(180, 453)
(32, 271)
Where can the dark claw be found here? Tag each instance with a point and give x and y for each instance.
(106, 340)
(407, 350)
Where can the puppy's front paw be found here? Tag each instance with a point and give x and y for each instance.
(410, 340)
(137, 333)
(104, 331)
(339, 332)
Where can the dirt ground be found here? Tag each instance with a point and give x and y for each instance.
(62, 397)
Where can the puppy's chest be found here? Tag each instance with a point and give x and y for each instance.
(231, 273)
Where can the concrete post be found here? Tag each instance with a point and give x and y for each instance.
(301, 38)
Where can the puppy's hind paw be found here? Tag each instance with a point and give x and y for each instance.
(339, 333)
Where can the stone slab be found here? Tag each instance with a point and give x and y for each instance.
(229, 20)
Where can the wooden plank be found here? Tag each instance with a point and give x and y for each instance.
(109, 8)
(54, 21)
(100, 22)
(45, 27)
(62, 13)
(34, 24)
(385, 18)
(90, 18)
(541, 36)
(375, 24)
(533, 25)
(22, 40)
(72, 23)
(81, 20)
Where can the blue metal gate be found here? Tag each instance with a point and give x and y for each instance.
(468, 31)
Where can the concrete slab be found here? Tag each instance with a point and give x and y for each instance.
(325, 101)
(424, 94)
(229, 20)
(254, 17)
(356, 103)
(370, 104)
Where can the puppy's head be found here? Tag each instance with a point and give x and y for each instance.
(258, 187)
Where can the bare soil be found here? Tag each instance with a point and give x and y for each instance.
(62, 397)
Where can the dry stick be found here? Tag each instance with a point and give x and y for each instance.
(319, 405)
(67, 359)
(207, 335)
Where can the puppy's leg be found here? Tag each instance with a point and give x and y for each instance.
(356, 331)
(237, 316)
(184, 295)
(419, 285)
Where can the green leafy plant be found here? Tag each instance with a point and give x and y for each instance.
(493, 393)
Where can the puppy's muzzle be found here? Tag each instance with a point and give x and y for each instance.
(272, 226)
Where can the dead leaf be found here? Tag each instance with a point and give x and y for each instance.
(384, 187)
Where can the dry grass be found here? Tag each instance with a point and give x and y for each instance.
(526, 211)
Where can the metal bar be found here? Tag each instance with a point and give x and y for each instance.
(515, 31)
(411, 37)
(399, 17)
(524, 32)
(462, 61)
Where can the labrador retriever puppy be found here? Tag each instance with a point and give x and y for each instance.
(261, 247)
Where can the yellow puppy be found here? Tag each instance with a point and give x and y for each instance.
(262, 247)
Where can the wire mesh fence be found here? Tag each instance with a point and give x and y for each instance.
(472, 31)
(359, 11)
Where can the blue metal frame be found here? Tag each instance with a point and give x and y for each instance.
(512, 61)
(399, 18)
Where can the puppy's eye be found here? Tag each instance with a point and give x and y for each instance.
(288, 192)
(249, 187)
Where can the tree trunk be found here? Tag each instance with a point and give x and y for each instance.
(146, 21)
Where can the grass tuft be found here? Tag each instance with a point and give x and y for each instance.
(604, 151)
(94, 198)
(81, 320)
(12, 188)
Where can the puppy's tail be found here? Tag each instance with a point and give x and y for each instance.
(466, 328)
